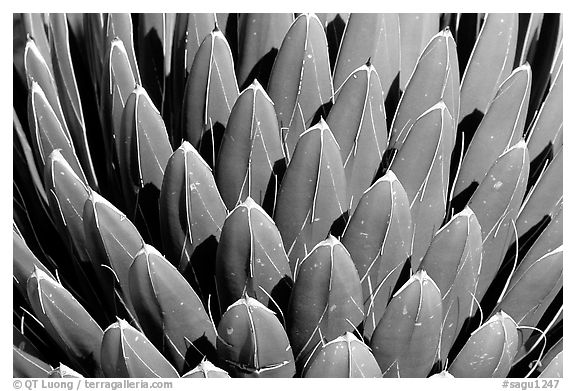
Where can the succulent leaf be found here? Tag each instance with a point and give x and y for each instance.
(378, 237)
(407, 338)
(300, 83)
(312, 195)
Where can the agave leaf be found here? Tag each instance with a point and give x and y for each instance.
(94, 33)
(142, 143)
(48, 133)
(334, 25)
(489, 65)
(375, 37)
(343, 357)
(66, 321)
(189, 32)
(312, 195)
(435, 78)
(251, 259)
(532, 288)
(549, 239)
(69, 96)
(191, 217)
(251, 158)
(528, 36)
(152, 40)
(38, 72)
(415, 32)
(496, 203)
(423, 170)
(24, 166)
(378, 237)
(300, 83)
(67, 194)
(126, 353)
(453, 261)
(24, 262)
(358, 122)
(545, 134)
(211, 91)
(111, 240)
(117, 84)
(543, 200)
(252, 342)
(119, 26)
(260, 36)
(171, 314)
(490, 350)
(326, 299)
(206, 370)
(554, 368)
(25, 365)
(35, 28)
(407, 338)
(501, 127)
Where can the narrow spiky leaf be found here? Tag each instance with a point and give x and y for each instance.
(490, 350)
(119, 26)
(35, 28)
(66, 321)
(415, 32)
(189, 32)
(435, 78)
(423, 170)
(343, 357)
(251, 157)
(118, 82)
(210, 94)
(169, 311)
(251, 259)
(358, 122)
(253, 343)
(373, 37)
(496, 203)
(501, 127)
(312, 194)
(379, 237)
(48, 133)
(69, 96)
(260, 36)
(126, 352)
(300, 83)
(453, 261)
(326, 298)
(406, 340)
(67, 194)
(95, 45)
(490, 63)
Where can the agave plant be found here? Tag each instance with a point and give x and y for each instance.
(287, 195)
